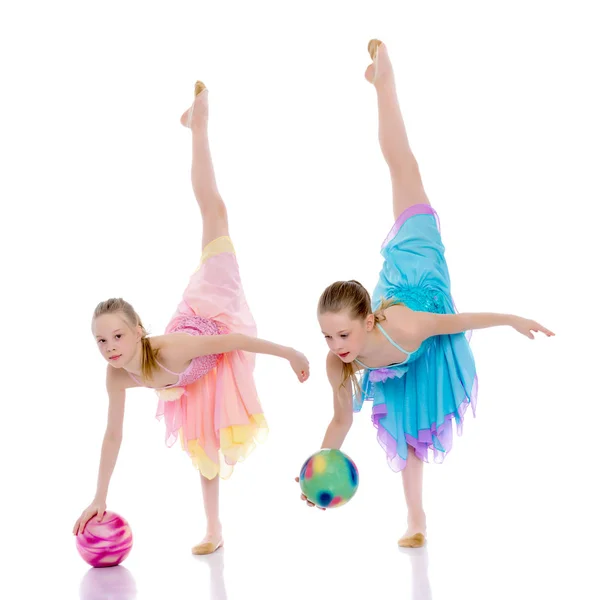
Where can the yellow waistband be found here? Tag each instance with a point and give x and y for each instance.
(217, 246)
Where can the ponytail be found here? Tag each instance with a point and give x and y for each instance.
(149, 362)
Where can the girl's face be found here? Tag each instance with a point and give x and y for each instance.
(116, 339)
(345, 336)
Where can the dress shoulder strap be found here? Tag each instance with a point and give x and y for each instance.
(392, 342)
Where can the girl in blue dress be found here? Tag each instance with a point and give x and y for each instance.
(409, 343)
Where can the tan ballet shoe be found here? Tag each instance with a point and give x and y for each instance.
(206, 548)
(199, 87)
(372, 47)
(186, 118)
(412, 541)
(371, 72)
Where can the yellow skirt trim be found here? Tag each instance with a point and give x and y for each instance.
(237, 442)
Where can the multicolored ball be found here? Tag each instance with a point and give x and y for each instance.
(329, 478)
(105, 544)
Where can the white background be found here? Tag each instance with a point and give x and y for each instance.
(501, 107)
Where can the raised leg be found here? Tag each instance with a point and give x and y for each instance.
(412, 480)
(204, 183)
(407, 186)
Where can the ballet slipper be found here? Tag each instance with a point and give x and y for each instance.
(186, 118)
(371, 72)
(412, 541)
(206, 548)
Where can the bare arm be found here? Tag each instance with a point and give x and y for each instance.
(110, 448)
(190, 346)
(112, 436)
(342, 411)
(187, 347)
(342, 405)
(430, 324)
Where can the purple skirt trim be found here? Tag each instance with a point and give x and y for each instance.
(425, 442)
(411, 211)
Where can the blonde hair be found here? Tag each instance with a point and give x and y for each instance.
(353, 297)
(118, 305)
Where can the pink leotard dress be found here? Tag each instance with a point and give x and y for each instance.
(214, 407)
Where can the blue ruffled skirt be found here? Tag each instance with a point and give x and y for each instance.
(415, 403)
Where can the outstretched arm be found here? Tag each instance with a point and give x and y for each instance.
(188, 347)
(431, 324)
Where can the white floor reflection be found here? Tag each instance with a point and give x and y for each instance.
(118, 583)
(216, 565)
(110, 583)
(419, 564)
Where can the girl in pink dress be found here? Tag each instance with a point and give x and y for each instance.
(202, 368)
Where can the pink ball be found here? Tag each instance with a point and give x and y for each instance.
(105, 544)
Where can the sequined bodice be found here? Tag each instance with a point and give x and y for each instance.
(200, 365)
(421, 299)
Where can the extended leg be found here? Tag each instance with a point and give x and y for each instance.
(407, 186)
(212, 207)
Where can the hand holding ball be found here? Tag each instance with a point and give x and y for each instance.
(106, 543)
